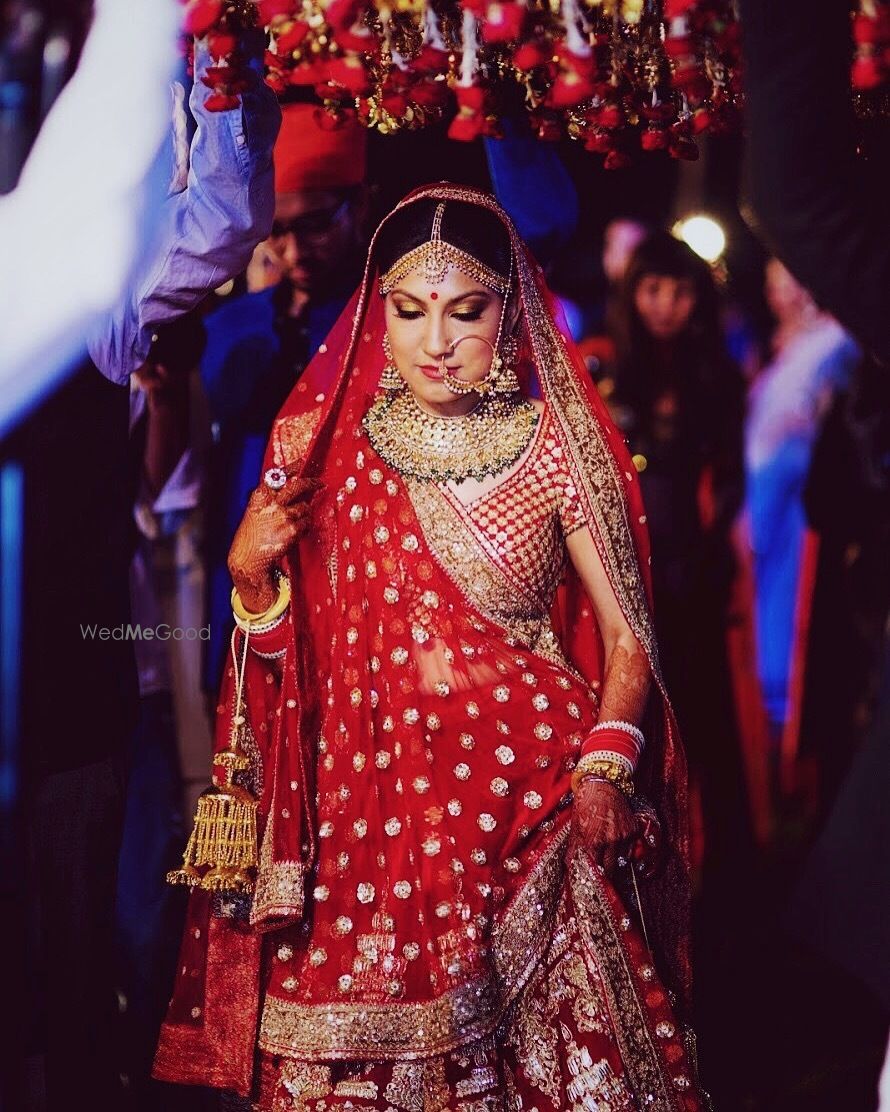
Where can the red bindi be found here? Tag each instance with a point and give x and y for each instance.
(434, 296)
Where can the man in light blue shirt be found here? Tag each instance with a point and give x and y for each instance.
(211, 226)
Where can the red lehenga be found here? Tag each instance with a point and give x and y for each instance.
(417, 940)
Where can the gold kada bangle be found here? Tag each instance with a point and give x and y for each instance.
(277, 608)
(593, 767)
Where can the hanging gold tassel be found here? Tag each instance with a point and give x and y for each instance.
(224, 835)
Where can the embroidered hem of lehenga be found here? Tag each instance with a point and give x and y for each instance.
(602, 936)
(588, 1027)
(348, 1031)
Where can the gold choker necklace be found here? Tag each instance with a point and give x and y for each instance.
(482, 442)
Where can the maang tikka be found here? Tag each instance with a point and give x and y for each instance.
(390, 379)
(432, 259)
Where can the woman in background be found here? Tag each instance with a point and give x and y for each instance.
(679, 399)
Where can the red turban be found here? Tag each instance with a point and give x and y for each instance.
(313, 155)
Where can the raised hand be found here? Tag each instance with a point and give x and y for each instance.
(273, 522)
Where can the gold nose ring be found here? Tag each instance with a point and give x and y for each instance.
(457, 385)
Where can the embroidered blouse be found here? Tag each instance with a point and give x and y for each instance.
(506, 548)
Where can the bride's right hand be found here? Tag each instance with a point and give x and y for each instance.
(273, 522)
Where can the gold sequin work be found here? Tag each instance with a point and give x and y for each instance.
(506, 550)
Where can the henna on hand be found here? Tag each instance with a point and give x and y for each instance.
(626, 686)
(273, 522)
(603, 822)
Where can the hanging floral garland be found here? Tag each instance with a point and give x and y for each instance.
(870, 76)
(617, 75)
(871, 34)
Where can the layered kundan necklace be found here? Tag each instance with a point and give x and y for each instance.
(485, 441)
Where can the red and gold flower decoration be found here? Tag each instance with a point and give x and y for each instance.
(620, 76)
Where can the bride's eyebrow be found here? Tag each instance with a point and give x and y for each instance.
(473, 295)
(480, 295)
(404, 293)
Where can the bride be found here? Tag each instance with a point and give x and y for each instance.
(442, 865)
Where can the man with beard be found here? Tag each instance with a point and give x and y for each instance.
(258, 344)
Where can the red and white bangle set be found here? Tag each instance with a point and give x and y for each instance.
(610, 752)
(268, 641)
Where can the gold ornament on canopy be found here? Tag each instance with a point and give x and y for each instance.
(620, 76)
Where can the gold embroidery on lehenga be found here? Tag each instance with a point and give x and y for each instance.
(593, 1084)
(302, 1082)
(405, 1089)
(356, 1089)
(418, 1086)
(513, 1100)
(588, 1007)
(519, 937)
(377, 968)
(480, 1079)
(436, 1091)
(641, 1061)
(467, 1012)
(370, 1030)
(542, 1042)
(533, 1033)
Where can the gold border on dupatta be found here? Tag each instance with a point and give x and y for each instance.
(464, 557)
(279, 884)
(481, 579)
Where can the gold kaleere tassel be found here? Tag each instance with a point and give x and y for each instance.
(224, 835)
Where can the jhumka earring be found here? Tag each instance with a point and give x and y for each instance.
(502, 379)
(390, 379)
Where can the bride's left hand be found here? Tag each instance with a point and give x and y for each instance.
(603, 822)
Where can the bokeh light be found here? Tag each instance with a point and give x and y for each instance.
(703, 234)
